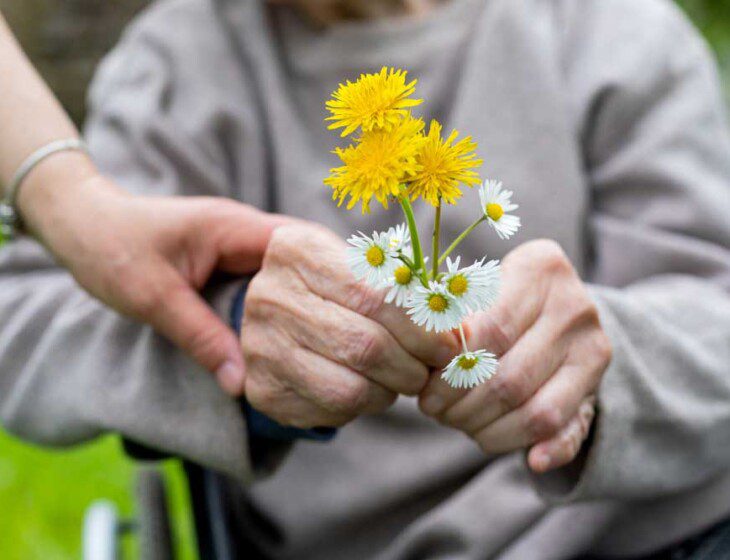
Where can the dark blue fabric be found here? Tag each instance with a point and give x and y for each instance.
(259, 425)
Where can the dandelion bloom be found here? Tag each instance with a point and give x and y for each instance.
(373, 102)
(377, 164)
(444, 165)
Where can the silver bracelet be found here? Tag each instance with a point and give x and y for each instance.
(10, 220)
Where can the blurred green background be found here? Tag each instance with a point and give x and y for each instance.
(43, 494)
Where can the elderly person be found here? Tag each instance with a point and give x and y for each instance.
(603, 115)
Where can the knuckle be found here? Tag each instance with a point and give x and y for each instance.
(261, 396)
(364, 300)
(577, 311)
(494, 332)
(262, 298)
(282, 245)
(143, 298)
(363, 350)
(551, 256)
(510, 392)
(380, 402)
(204, 341)
(414, 383)
(252, 345)
(144, 302)
(586, 311)
(543, 421)
(350, 397)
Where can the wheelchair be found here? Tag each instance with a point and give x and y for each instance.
(223, 517)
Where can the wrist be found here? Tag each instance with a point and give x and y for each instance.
(57, 194)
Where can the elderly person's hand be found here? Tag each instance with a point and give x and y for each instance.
(322, 348)
(148, 257)
(553, 354)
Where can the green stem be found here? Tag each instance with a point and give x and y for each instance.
(463, 339)
(435, 240)
(459, 239)
(408, 262)
(415, 240)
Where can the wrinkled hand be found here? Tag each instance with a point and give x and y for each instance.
(147, 257)
(553, 355)
(322, 348)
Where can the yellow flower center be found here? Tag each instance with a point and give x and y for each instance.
(458, 285)
(403, 275)
(375, 256)
(437, 303)
(467, 362)
(495, 211)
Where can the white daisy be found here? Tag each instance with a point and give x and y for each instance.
(371, 259)
(401, 285)
(475, 287)
(470, 369)
(399, 238)
(434, 307)
(496, 205)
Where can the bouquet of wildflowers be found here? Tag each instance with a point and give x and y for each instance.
(393, 158)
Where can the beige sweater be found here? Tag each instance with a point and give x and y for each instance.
(603, 116)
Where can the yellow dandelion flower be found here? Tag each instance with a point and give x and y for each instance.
(443, 167)
(374, 101)
(377, 164)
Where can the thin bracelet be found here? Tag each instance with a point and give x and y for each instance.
(10, 220)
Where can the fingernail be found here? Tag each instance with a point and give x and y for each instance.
(432, 404)
(541, 462)
(230, 376)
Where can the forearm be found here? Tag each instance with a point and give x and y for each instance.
(30, 114)
(31, 117)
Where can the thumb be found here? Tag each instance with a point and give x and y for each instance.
(243, 234)
(181, 315)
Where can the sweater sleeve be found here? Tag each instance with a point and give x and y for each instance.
(657, 156)
(72, 369)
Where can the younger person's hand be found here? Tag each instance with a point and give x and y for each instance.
(553, 353)
(148, 257)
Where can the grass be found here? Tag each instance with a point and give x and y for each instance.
(43, 496)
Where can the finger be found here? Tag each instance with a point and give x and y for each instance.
(336, 333)
(498, 330)
(518, 306)
(242, 234)
(364, 346)
(433, 349)
(563, 448)
(542, 416)
(308, 390)
(521, 372)
(179, 313)
(325, 273)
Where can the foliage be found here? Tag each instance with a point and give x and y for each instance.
(44, 495)
(713, 19)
